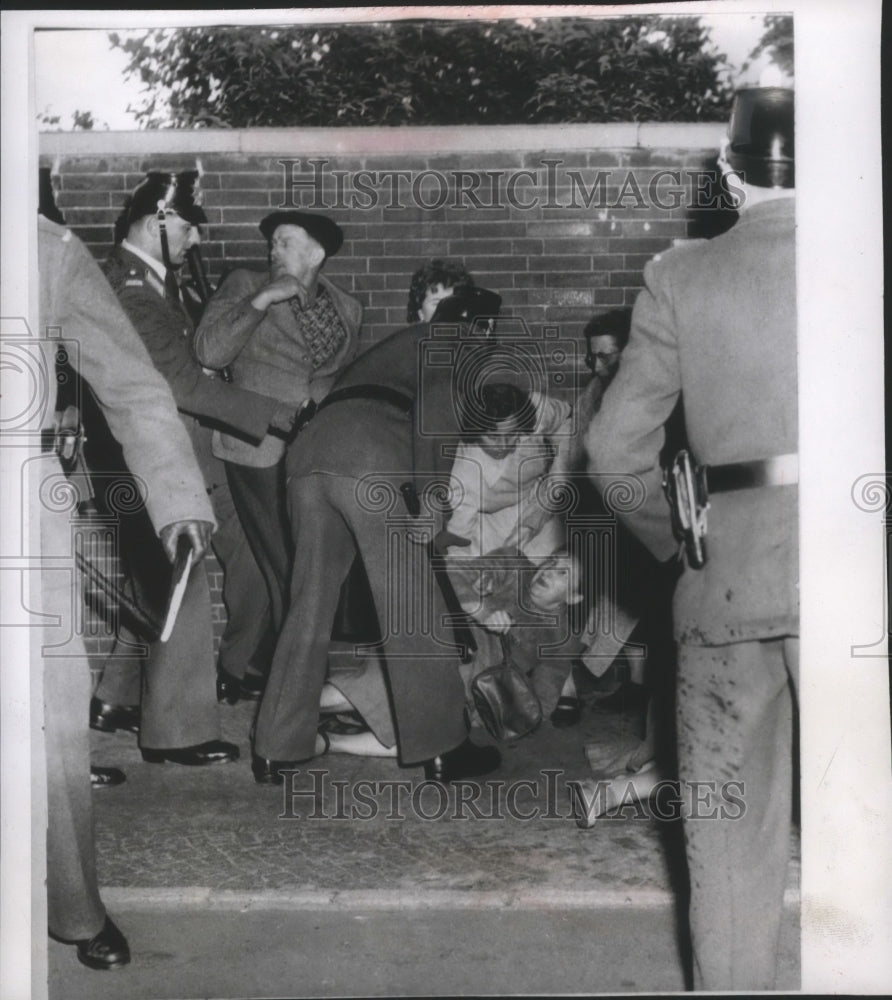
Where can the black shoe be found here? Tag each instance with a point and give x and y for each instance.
(212, 752)
(106, 777)
(229, 688)
(269, 772)
(253, 686)
(107, 950)
(466, 761)
(110, 718)
(232, 689)
(567, 712)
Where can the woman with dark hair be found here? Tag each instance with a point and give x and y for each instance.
(435, 280)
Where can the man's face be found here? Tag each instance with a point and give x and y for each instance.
(503, 440)
(602, 356)
(180, 236)
(432, 297)
(293, 251)
(552, 584)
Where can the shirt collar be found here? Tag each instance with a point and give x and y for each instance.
(155, 265)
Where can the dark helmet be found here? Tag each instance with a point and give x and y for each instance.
(163, 192)
(760, 136)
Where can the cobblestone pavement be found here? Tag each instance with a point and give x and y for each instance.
(203, 848)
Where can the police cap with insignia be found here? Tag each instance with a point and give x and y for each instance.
(760, 136)
(162, 191)
(325, 232)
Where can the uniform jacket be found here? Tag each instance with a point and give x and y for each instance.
(716, 323)
(166, 331)
(136, 400)
(266, 353)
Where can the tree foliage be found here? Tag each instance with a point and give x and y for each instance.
(430, 73)
(777, 41)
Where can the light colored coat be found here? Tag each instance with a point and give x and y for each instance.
(135, 398)
(266, 354)
(716, 323)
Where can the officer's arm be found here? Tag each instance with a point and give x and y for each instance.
(247, 414)
(626, 435)
(228, 323)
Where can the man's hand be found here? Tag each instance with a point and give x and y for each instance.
(198, 533)
(281, 423)
(498, 621)
(280, 289)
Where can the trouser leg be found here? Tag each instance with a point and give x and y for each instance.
(289, 711)
(422, 663)
(248, 639)
(179, 700)
(735, 725)
(75, 910)
(259, 498)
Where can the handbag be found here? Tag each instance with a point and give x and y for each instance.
(505, 699)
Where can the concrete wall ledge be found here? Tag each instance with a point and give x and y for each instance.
(404, 139)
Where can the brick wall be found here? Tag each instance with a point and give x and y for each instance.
(559, 220)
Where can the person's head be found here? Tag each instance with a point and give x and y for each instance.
(162, 216)
(606, 337)
(432, 282)
(46, 197)
(759, 149)
(300, 242)
(556, 581)
(498, 418)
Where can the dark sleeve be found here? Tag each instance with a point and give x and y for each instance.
(237, 410)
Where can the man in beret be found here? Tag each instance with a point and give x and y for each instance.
(286, 333)
(178, 709)
(698, 330)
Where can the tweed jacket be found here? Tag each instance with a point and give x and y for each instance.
(266, 353)
(716, 323)
(166, 331)
(135, 398)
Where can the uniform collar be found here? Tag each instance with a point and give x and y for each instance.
(155, 265)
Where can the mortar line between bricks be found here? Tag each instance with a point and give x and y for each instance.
(197, 898)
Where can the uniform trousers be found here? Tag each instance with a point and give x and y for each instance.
(330, 525)
(176, 685)
(75, 911)
(734, 713)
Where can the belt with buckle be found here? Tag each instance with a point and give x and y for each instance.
(782, 470)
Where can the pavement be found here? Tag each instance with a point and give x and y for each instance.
(360, 879)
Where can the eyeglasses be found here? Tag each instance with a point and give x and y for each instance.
(605, 357)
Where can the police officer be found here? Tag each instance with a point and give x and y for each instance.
(76, 301)
(178, 711)
(716, 324)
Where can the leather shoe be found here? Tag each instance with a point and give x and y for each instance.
(466, 761)
(107, 950)
(106, 777)
(232, 689)
(567, 712)
(110, 718)
(229, 687)
(212, 752)
(269, 772)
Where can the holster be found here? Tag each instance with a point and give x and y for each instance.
(684, 483)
